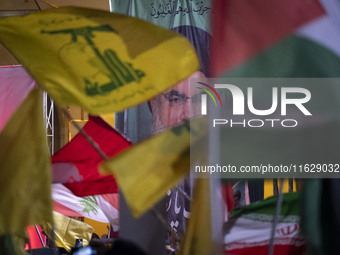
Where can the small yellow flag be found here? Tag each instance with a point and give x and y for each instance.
(67, 230)
(25, 182)
(103, 62)
(146, 171)
(198, 236)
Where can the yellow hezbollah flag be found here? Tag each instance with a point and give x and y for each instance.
(198, 236)
(101, 61)
(67, 230)
(25, 182)
(146, 171)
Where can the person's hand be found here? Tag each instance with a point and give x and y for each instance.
(174, 240)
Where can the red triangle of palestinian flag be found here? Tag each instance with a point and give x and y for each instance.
(76, 164)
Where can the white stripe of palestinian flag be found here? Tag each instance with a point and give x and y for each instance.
(332, 8)
(94, 207)
(323, 31)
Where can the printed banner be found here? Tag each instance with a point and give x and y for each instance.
(168, 14)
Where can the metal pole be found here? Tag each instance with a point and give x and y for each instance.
(276, 218)
(36, 229)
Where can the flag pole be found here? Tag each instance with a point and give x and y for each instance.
(276, 218)
(164, 222)
(41, 241)
(182, 192)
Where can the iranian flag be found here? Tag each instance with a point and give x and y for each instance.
(249, 229)
(275, 38)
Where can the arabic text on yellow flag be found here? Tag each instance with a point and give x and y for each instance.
(104, 62)
(67, 230)
(146, 171)
(25, 183)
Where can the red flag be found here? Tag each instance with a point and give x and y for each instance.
(34, 238)
(76, 164)
(228, 196)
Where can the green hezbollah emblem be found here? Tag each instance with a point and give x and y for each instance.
(185, 127)
(118, 72)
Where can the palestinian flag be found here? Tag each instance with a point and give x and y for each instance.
(281, 38)
(249, 229)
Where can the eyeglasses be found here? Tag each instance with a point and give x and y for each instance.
(176, 97)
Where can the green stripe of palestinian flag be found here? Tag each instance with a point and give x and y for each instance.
(248, 231)
(313, 51)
